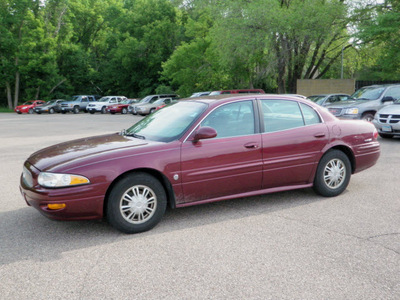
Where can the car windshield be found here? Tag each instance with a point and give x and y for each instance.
(103, 99)
(159, 101)
(146, 99)
(169, 123)
(28, 103)
(51, 102)
(125, 102)
(215, 93)
(368, 93)
(317, 99)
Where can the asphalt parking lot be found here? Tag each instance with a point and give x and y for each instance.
(290, 245)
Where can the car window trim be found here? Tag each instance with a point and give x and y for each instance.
(257, 129)
(262, 125)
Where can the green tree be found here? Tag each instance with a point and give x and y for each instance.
(379, 35)
(290, 38)
(146, 34)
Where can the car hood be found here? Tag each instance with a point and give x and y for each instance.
(26, 105)
(99, 103)
(86, 148)
(390, 109)
(348, 103)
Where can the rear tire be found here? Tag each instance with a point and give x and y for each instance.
(136, 203)
(333, 174)
(30, 111)
(103, 110)
(124, 111)
(76, 110)
(51, 111)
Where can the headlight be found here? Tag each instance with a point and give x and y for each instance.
(352, 111)
(53, 180)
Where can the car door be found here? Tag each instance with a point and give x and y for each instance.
(84, 102)
(294, 136)
(227, 164)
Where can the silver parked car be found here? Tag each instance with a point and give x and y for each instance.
(366, 102)
(149, 108)
(387, 120)
(327, 99)
(149, 99)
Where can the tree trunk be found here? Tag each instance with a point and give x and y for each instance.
(9, 97)
(37, 93)
(16, 93)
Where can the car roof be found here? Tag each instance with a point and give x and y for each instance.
(217, 99)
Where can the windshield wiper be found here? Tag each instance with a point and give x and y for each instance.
(135, 135)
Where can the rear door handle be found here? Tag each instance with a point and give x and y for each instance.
(319, 134)
(251, 145)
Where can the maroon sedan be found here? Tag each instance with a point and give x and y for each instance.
(198, 151)
(121, 107)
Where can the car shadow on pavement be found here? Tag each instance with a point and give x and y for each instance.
(27, 235)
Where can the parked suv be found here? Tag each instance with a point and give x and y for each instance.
(102, 104)
(387, 120)
(366, 101)
(150, 99)
(77, 104)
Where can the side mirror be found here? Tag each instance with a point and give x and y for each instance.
(387, 99)
(204, 133)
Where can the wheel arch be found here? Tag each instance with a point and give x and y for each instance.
(156, 174)
(349, 153)
(370, 111)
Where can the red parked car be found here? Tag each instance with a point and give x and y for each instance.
(121, 107)
(28, 106)
(198, 151)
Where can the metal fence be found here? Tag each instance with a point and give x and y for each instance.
(361, 83)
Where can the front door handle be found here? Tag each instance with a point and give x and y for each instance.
(251, 145)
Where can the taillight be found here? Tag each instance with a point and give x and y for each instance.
(375, 134)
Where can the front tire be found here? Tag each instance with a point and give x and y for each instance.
(333, 174)
(367, 117)
(76, 110)
(51, 111)
(136, 203)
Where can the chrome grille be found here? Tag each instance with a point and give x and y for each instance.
(389, 119)
(335, 111)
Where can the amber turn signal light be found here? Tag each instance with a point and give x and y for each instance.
(56, 206)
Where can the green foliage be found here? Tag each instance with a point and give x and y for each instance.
(379, 34)
(57, 48)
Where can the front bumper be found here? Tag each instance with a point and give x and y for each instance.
(77, 206)
(93, 109)
(349, 117)
(81, 202)
(66, 109)
(387, 128)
